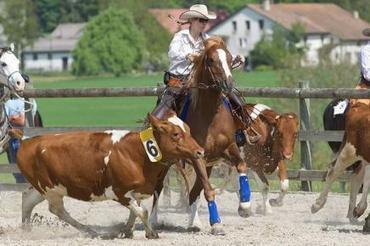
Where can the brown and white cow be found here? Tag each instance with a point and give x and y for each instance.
(278, 134)
(355, 147)
(96, 166)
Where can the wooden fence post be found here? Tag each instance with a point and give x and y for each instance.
(306, 147)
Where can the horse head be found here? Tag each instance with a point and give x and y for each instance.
(9, 70)
(213, 66)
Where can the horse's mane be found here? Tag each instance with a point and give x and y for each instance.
(199, 62)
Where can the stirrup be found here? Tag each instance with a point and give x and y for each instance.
(252, 140)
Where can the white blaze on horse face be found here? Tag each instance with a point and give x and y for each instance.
(225, 66)
(177, 121)
(257, 109)
(10, 69)
(116, 135)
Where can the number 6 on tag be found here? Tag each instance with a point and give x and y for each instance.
(150, 145)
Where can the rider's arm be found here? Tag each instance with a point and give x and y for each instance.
(176, 51)
(365, 62)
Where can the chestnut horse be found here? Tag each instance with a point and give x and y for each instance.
(213, 127)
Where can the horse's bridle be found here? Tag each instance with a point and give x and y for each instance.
(217, 84)
(7, 84)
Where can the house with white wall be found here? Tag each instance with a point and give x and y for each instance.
(53, 52)
(324, 24)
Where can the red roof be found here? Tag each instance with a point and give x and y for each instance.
(317, 18)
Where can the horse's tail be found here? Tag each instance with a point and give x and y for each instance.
(37, 119)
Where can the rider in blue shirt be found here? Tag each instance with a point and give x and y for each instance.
(15, 111)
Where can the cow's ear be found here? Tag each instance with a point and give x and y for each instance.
(156, 123)
(273, 120)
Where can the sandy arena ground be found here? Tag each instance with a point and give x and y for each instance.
(292, 224)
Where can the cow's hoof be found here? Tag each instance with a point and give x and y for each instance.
(244, 212)
(275, 203)
(151, 235)
(217, 230)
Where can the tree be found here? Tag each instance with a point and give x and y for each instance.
(157, 39)
(52, 12)
(111, 43)
(48, 14)
(19, 22)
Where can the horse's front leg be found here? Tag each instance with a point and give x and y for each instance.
(264, 186)
(233, 153)
(209, 194)
(284, 185)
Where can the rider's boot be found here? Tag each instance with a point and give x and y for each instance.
(237, 103)
(166, 102)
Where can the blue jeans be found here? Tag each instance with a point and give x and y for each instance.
(14, 144)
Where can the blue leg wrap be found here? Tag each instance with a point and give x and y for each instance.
(245, 191)
(213, 213)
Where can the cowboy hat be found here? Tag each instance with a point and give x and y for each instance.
(366, 32)
(198, 11)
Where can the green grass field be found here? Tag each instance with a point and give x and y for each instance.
(124, 112)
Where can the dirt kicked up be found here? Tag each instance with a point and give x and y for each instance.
(292, 224)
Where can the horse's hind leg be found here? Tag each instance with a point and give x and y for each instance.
(194, 221)
(157, 192)
(30, 198)
(56, 206)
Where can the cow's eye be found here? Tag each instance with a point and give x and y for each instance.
(3, 64)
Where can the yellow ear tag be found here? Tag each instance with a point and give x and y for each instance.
(150, 145)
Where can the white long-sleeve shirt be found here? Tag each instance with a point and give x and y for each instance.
(181, 45)
(365, 61)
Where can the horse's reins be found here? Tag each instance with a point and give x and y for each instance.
(223, 86)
